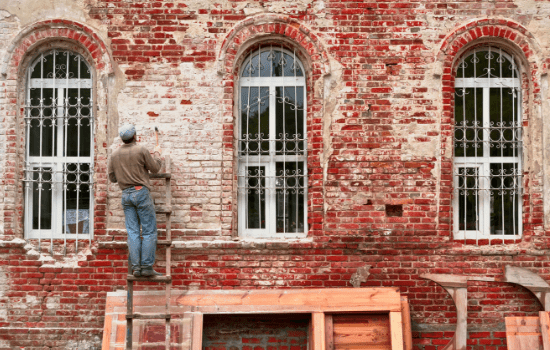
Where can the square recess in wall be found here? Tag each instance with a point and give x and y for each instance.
(394, 210)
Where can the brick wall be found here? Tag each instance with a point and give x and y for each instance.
(263, 332)
(380, 128)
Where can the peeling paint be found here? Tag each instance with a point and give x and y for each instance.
(31, 11)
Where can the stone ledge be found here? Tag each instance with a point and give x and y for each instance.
(222, 244)
(14, 243)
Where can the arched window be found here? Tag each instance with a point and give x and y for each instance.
(272, 170)
(59, 147)
(487, 146)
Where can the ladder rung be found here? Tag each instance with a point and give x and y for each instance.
(165, 279)
(160, 176)
(139, 316)
(113, 245)
(163, 209)
(122, 244)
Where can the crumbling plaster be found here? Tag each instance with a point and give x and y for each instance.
(330, 85)
(29, 11)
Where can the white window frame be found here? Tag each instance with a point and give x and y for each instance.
(483, 163)
(269, 161)
(61, 177)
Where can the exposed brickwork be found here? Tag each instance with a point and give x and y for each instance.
(380, 122)
(264, 332)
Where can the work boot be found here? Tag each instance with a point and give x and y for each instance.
(136, 273)
(149, 272)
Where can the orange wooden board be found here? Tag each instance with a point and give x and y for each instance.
(544, 318)
(523, 333)
(293, 300)
(361, 331)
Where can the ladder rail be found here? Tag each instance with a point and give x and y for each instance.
(167, 279)
(168, 199)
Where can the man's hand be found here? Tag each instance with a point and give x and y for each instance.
(158, 150)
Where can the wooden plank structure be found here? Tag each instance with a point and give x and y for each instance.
(528, 333)
(523, 333)
(457, 285)
(341, 318)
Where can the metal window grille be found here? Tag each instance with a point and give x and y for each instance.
(487, 147)
(272, 171)
(59, 148)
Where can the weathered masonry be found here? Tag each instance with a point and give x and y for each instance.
(314, 144)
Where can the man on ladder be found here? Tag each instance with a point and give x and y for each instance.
(129, 166)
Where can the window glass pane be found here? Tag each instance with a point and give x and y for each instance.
(278, 63)
(255, 120)
(290, 120)
(468, 198)
(36, 70)
(42, 198)
(251, 69)
(78, 123)
(41, 130)
(474, 65)
(61, 68)
(272, 62)
(73, 66)
(504, 199)
(47, 66)
(481, 63)
(84, 70)
(265, 64)
(77, 197)
(468, 122)
(290, 184)
(292, 68)
(503, 67)
(504, 122)
(255, 192)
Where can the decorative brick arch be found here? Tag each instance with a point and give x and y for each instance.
(31, 40)
(270, 25)
(59, 29)
(482, 32)
(245, 36)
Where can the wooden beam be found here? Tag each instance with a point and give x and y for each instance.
(196, 334)
(318, 330)
(406, 322)
(530, 280)
(545, 329)
(329, 332)
(396, 331)
(455, 280)
(293, 300)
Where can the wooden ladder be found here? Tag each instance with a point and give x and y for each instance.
(167, 279)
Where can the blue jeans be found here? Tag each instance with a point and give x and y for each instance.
(140, 210)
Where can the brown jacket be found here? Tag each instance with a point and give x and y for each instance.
(129, 166)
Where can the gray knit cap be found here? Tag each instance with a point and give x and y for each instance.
(127, 131)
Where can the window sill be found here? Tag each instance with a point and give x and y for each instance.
(246, 243)
(485, 249)
(460, 236)
(14, 243)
